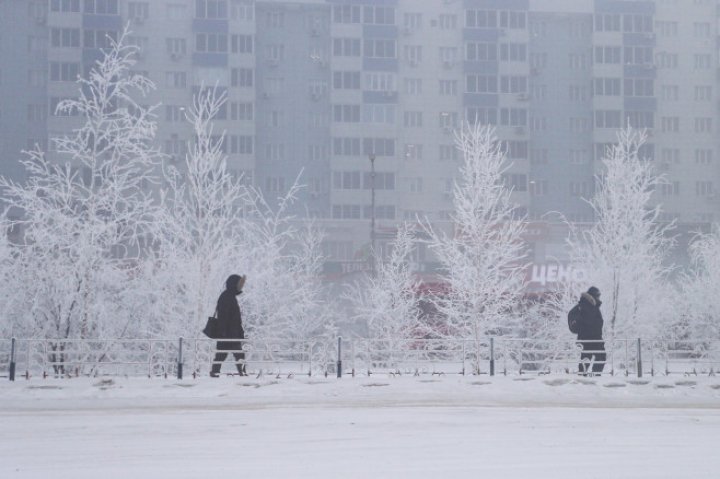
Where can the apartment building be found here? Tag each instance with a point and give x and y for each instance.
(320, 87)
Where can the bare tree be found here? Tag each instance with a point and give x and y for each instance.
(483, 261)
(83, 219)
(625, 250)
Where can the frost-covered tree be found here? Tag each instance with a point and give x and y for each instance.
(483, 260)
(83, 214)
(698, 317)
(389, 301)
(624, 251)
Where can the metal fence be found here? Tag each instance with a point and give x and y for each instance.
(195, 356)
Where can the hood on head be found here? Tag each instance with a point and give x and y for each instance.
(589, 298)
(231, 283)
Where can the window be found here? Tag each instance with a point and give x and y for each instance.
(449, 152)
(241, 44)
(666, 28)
(69, 6)
(175, 79)
(274, 52)
(702, 62)
(346, 113)
(703, 156)
(383, 181)
(241, 10)
(636, 23)
(513, 52)
(701, 30)
(609, 22)
(211, 43)
(447, 21)
(638, 55)
(606, 87)
(639, 87)
(65, 37)
(240, 144)
(607, 55)
(516, 150)
(515, 182)
(64, 71)
(384, 212)
(346, 146)
(482, 115)
(346, 13)
(608, 119)
(379, 48)
(513, 117)
(54, 102)
(703, 93)
(481, 51)
(174, 113)
(413, 119)
(378, 113)
(346, 80)
(275, 152)
(670, 155)
(448, 88)
(347, 180)
(379, 146)
(346, 47)
(670, 92)
(481, 19)
(704, 188)
(666, 60)
(539, 187)
(513, 84)
(580, 188)
(577, 61)
(376, 81)
(101, 7)
(670, 188)
(481, 84)
(413, 86)
(578, 157)
(539, 156)
(36, 78)
(175, 11)
(512, 20)
(211, 9)
(241, 77)
(275, 184)
(670, 124)
(579, 125)
(412, 21)
(176, 46)
(413, 54)
(414, 185)
(138, 10)
(99, 38)
(448, 55)
(379, 15)
(317, 152)
(241, 111)
(448, 120)
(36, 113)
(703, 125)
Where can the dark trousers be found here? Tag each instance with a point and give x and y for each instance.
(223, 348)
(592, 349)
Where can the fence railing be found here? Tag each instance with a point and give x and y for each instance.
(195, 356)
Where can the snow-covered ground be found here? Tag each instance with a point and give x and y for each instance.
(370, 427)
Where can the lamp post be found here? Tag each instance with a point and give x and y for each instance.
(372, 214)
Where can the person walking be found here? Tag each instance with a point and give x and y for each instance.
(230, 326)
(590, 329)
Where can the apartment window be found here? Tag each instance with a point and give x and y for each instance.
(61, 71)
(538, 61)
(241, 144)
(702, 62)
(481, 115)
(670, 189)
(241, 111)
(607, 55)
(516, 150)
(346, 14)
(670, 155)
(640, 119)
(346, 113)
(703, 93)
(447, 21)
(36, 78)
(703, 125)
(241, 77)
(141, 43)
(513, 20)
(670, 124)
(176, 46)
(36, 113)
(481, 84)
(704, 188)
(275, 184)
(413, 54)
(608, 22)
(666, 60)
(448, 88)
(54, 102)
(68, 6)
(379, 48)
(606, 87)
(413, 86)
(383, 181)
(99, 38)
(211, 9)
(448, 55)
(538, 29)
(448, 120)
(317, 152)
(242, 10)
(513, 52)
(379, 146)
(608, 119)
(636, 23)
(580, 188)
(101, 7)
(538, 123)
(275, 152)
(241, 44)
(449, 152)
(175, 11)
(577, 61)
(701, 30)
(639, 87)
(346, 47)
(670, 92)
(376, 81)
(481, 19)
(413, 119)
(513, 117)
(412, 21)
(65, 37)
(578, 157)
(138, 10)
(513, 84)
(638, 55)
(481, 51)
(539, 187)
(347, 180)
(538, 92)
(579, 125)
(211, 43)
(666, 28)
(383, 212)
(414, 185)
(175, 79)
(378, 113)
(346, 146)
(703, 156)
(378, 15)
(539, 156)
(346, 80)
(37, 44)
(174, 113)
(515, 182)
(577, 93)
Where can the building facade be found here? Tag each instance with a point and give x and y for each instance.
(315, 88)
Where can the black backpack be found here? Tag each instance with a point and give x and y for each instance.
(574, 316)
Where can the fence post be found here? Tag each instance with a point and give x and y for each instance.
(180, 359)
(639, 359)
(492, 356)
(12, 359)
(339, 357)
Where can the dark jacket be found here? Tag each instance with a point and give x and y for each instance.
(228, 311)
(591, 320)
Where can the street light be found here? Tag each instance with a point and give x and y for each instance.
(372, 214)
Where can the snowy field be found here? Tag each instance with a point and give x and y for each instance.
(377, 427)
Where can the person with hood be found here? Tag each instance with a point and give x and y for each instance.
(590, 330)
(229, 326)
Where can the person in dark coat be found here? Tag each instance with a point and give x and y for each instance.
(230, 326)
(590, 329)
